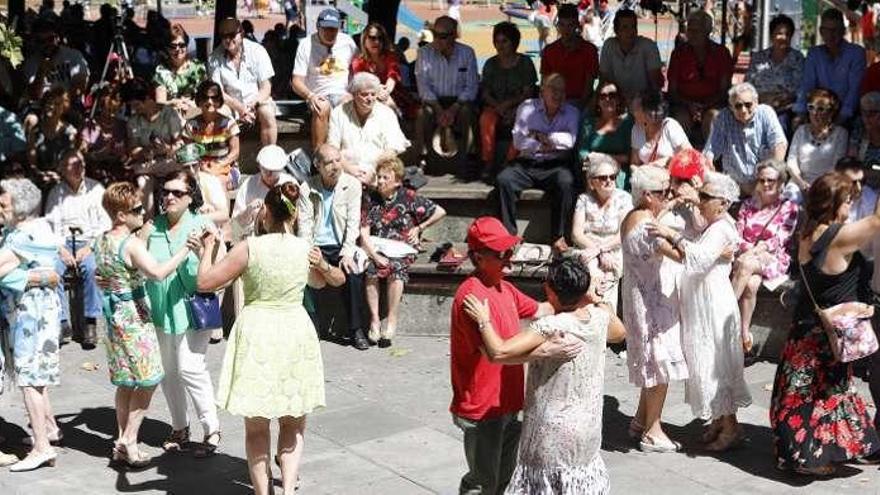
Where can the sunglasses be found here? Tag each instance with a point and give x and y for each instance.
(708, 197)
(744, 104)
(604, 178)
(608, 96)
(174, 192)
(818, 108)
(442, 35)
(662, 192)
(138, 210)
(506, 255)
(211, 98)
(177, 46)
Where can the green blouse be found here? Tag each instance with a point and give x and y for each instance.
(614, 143)
(182, 83)
(168, 297)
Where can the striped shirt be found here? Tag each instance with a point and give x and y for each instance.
(441, 77)
(742, 146)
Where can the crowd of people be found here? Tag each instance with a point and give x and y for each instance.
(674, 198)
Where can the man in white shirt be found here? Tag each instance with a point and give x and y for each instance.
(76, 202)
(365, 128)
(320, 71)
(630, 61)
(250, 196)
(447, 78)
(244, 71)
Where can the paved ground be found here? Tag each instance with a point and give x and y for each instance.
(386, 431)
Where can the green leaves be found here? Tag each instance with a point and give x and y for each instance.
(10, 46)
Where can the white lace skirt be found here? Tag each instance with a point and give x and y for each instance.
(589, 479)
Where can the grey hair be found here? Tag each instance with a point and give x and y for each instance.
(722, 185)
(321, 153)
(363, 80)
(741, 88)
(26, 197)
(778, 165)
(870, 101)
(647, 178)
(594, 162)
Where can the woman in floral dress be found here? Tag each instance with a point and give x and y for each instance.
(562, 420)
(177, 79)
(133, 357)
(765, 222)
(818, 418)
(393, 212)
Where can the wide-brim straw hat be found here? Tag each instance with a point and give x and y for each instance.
(444, 143)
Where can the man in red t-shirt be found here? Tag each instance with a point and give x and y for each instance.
(488, 395)
(572, 56)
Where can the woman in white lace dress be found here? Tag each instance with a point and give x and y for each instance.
(710, 316)
(562, 425)
(596, 225)
(650, 310)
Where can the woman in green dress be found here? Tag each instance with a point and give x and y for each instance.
(135, 364)
(182, 346)
(607, 128)
(271, 370)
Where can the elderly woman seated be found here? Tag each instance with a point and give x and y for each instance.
(595, 226)
(392, 213)
(656, 136)
(818, 144)
(765, 223)
(364, 128)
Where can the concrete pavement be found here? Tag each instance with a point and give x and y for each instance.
(386, 430)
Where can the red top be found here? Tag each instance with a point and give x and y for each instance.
(871, 79)
(482, 389)
(391, 67)
(693, 83)
(577, 66)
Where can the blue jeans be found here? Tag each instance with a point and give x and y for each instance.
(91, 291)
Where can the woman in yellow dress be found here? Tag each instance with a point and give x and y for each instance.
(271, 370)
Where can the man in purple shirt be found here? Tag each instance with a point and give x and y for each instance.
(544, 135)
(837, 65)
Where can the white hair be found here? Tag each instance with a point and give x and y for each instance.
(648, 178)
(741, 88)
(362, 81)
(595, 161)
(26, 197)
(721, 185)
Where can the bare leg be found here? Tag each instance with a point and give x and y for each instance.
(268, 125)
(290, 450)
(655, 397)
(139, 402)
(747, 307)
(51, 425)
(395, 293)
(123, 398)
(36, 409)
(320, 125)
(372, 291)
(257, 450)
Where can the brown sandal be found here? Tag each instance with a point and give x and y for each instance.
(176, 440)
(207, 448)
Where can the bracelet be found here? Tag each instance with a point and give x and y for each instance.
(483, 324)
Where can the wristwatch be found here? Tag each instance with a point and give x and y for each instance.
(483, 324)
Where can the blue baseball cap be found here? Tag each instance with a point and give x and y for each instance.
(329, 18)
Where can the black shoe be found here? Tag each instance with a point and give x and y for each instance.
(90, 337)
(66, 333)
(383, 343)
(359, 341)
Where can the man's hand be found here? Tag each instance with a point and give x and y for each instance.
(347, 264)
(314, 101)
(67, 258)
(83, 253)
(561, 346)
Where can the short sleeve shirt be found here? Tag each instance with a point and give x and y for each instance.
(482, 389)
(576, 66)
(67, 64)
(504, 84)
(672, 137)
(696, 83)
(182, 83)
(216, 139)
(325, 68)
(630, 71)
(167, 127)
(242, 84)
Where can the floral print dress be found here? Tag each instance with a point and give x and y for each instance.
(780, 220)
(393, 219)
(132, 348)
(817, 417)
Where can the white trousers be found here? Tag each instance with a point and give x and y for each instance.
(183, 357)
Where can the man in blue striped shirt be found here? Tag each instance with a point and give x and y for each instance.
(448, 82)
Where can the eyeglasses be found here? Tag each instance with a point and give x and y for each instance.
(174, 192)
(744, 104)
(505, 255)
(442, 35)
(608, 96)
(663, 193)
(138, 210)
(604, 178)
(177, 46)
(708, 197)
(818, 108)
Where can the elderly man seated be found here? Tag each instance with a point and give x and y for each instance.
(699, 75)
(364, 128)
(321, 69)
(244, 70)
(544, 136)
(744, 134)
(448, 82)
(75, 203)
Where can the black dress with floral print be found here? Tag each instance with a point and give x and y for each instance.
(393, 219)
(817, 418)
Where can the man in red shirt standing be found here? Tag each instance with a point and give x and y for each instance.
(575, 58)
(488, 395)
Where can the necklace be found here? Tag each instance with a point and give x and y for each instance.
(820, 138)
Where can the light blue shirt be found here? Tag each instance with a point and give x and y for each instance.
(842, 75)
(325, 231)
(742, 146)
(561, 130)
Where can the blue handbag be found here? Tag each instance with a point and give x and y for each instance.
(204, 307)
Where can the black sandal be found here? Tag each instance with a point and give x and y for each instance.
(207, 448)
(176, 440)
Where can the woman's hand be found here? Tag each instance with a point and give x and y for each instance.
(607, 262)
(477, 310)
(195, 242)
(415, 235)
(380, 261)
(316, 260)
(728, 253)
(657, 229)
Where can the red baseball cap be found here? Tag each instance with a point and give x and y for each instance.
(686, 164)
(490, 233)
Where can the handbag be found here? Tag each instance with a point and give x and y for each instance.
(848, 326)
(204, 307)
